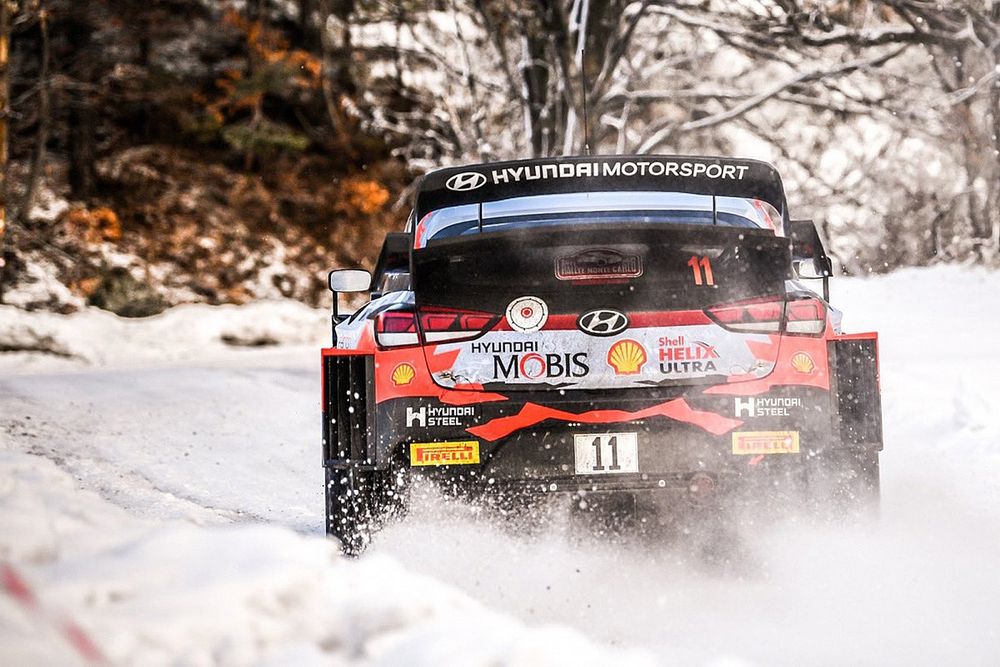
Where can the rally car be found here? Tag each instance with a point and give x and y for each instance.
(647, 327)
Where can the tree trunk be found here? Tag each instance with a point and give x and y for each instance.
(310, 34)
(82, 174)
(42, 135)
(536, 82)
(993, 199)
(336, 76)
(82, 115)
(5, 20)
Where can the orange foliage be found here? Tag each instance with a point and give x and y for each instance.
(363, 196)
(87, 286)
(94, 225)
(268, 49)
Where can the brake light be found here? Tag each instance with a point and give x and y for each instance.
(441, 325)
(802, 315)
(805, 315)
(396, 328)
(753, 316)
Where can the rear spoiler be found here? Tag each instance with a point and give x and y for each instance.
(714, 176)
(395, 255)
(575, 268)
(809, 258)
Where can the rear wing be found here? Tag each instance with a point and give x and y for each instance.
(714, 176)
(809, 258)
(395, 256)
(637, 266)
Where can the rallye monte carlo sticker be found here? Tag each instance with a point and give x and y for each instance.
(598, 264)
(572, 358)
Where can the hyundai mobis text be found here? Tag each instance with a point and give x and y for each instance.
(600, 326)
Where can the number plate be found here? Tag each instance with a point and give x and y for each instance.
(606, 453)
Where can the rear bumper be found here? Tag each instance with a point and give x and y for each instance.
(526, 438)
(530, 437)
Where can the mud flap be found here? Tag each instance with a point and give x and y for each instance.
(844, 483)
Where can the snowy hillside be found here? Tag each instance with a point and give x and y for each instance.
(172, 509)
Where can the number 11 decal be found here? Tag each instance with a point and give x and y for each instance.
(605, 453)
(613, 444)
(699, 264)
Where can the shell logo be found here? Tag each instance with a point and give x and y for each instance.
(803, 363)
(627, 357)
(403, 375)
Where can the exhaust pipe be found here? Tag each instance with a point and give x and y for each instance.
(702, 488)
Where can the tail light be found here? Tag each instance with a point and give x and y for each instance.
(801, 315)
(445, 325)
(753, 316)
(805, 315)
(396, 328)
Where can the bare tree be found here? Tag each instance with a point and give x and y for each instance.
(6, 11)
(44, 115)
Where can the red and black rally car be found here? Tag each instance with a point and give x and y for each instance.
(635, 325)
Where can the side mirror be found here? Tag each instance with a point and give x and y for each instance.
(349, 280)
(346, 280)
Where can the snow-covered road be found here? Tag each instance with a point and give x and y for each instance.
(175, 513)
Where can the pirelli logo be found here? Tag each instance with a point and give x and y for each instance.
(444, 453)
(766, 442)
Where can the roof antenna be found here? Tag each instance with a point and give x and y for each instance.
(583, 85)
(582, 12)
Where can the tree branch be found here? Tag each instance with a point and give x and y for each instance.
(753, 102)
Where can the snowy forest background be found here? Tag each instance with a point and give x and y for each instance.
(171, 151)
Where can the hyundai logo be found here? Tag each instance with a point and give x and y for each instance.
(602, 322)
(467, 180)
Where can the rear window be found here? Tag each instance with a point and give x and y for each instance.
(591, 207)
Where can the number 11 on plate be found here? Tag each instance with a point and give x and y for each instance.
(606, 453)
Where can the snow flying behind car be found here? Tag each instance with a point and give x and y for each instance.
(615, 326)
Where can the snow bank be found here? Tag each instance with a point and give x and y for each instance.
(151, 593)
(38, 286)
(125, 504)
(184, 333)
